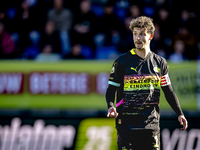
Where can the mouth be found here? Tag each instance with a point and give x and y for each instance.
(138, 43)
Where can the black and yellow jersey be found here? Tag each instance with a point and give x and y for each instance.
(138, 81)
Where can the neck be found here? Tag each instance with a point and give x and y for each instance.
(142, 52)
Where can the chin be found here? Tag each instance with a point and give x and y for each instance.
(140, 49)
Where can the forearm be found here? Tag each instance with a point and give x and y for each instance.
(110, 95)
(172, 99)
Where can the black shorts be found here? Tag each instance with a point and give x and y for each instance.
(138, 140)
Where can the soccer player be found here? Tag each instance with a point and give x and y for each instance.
(137, 76)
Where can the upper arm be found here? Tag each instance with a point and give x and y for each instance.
(165, 80)
(116, 74)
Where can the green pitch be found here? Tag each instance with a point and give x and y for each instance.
(182, 76)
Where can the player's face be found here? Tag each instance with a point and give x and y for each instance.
(141, 38)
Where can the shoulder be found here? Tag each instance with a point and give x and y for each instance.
(158, 58)
(120, 59)
(161, 63)
(124, 56)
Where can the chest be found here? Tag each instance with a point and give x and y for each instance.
(142, 67)
(141, 75)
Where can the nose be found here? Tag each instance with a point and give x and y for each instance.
(138, 37)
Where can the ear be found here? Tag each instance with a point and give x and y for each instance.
(151, 37)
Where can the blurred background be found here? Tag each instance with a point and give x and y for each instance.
(55, 60)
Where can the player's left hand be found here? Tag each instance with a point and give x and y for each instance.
(183, 122)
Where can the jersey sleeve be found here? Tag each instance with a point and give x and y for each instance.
(115, 78)
(165, 80)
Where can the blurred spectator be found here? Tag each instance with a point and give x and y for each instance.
(75, 52)
(126, 42)
(134, 11)
(184, 18)
(84, 25)
(105, 29)
(51, 36)
(110, 25)
(47, 54)
(166, 28)
(189, 40)
(5, 20)
(164, 4)
(164, 21)
(160, 3)
(61, 16)
(188, 20)
(23, 24)
(157, 35)
(126, 39)
(121, 7)
(161, 52)
(178, 55)
(7, 45)
(63, 19)
(26, 20)
(149, 11)
(122, 4)
(31, 51)
(157, 43)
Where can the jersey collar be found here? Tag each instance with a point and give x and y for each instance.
(133, 51)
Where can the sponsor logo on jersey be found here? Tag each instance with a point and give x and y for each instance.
(141, 82)
(156, 69)
(113, 69)
(135, 69)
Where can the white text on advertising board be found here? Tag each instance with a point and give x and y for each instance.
(184, 140)
(11, 83)
(36, 137)
(59, 83)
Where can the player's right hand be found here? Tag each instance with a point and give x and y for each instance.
(112, 112)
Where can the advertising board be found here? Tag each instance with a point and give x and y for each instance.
(56, 130)
(79, 84)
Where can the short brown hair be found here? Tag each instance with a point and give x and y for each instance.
(143, 22)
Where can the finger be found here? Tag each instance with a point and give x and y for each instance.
(109, 110)
(183, 128)
(108, 115)
(116, 114)
(184, 124)
(181, 122)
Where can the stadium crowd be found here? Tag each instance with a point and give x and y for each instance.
(95, 29)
